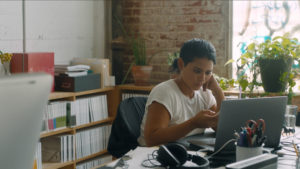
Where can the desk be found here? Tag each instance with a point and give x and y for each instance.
(137, 157)
(289, 159)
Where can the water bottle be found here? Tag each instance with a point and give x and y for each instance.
(290, 118)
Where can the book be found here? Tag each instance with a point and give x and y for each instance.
(70, 68)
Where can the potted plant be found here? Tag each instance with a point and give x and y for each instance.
(140, 68)
(5, 61)
(272, 60)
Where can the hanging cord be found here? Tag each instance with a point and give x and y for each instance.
(223, 146)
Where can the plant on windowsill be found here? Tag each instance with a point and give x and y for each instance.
(272, 61)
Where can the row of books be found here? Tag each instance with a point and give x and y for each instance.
(128, 95)
(58, 148)
(64, 114)
(92, 141)
(54, 116)
(95, 162)
(38, 157)
(88, 110)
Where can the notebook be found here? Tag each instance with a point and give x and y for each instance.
(235, 113)
(22, 100)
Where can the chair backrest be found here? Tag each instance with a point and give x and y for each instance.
(126, 127)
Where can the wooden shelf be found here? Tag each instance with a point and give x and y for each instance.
(134, 87)
(57, 165)
(56, 132)
(62, 95)
(106, 89)
(108, 120)
(91, 156)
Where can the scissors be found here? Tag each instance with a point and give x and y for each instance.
(255, 130)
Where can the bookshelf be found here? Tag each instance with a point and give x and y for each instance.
(72, 96)
(120, 90)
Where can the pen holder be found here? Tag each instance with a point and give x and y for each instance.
(247, 152)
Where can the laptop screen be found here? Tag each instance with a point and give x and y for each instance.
(22, 100)
(235, 113)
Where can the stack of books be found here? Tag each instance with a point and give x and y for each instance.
(71, 71)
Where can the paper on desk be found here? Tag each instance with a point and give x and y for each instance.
(141, 153)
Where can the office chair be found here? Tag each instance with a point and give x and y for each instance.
(126, 127)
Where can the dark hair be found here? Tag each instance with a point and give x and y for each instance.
(197, 48)
(174, 67)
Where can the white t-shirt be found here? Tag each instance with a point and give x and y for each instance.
(180, 107)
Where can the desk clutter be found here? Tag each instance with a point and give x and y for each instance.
(252, 134)
(149, 157)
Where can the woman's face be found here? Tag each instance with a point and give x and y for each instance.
(197, 72)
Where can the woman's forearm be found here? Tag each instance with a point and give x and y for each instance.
(169, 134)
(219, 96)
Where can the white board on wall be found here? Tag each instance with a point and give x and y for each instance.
(67, 28)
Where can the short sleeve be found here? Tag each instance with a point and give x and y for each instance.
(162, 95)
(209, 98)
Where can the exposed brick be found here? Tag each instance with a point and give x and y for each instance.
(131, 20)
(168, 36)
(173, 3)
(186, 36)
(184, 28)
(179, 43)
(136, 12)
(167, 11)
(167, 24)
(165, 44)
(189, 11)
(127, 12)
(216, 10)
(199, 20)
(152, 3)
(195, 3)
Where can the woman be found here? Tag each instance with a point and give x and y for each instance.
(187, 104)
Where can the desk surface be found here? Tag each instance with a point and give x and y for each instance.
(288, 160)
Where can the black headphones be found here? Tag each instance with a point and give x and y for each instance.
(174, 155)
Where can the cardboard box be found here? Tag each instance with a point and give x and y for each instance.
(77, 84)
(33, 62)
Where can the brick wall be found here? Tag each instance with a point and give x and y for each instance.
(166, 24)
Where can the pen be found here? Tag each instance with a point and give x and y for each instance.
(296, 149)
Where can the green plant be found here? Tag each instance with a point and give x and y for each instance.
(281, 48)
(137, 45)
(224, 82)
(172, 57)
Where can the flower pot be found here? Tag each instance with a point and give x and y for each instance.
(141, 75)
(271, 71)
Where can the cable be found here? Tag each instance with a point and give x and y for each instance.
(150, 161)
(223, 146)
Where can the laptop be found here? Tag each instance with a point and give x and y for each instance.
(235, 113)
(22, 100)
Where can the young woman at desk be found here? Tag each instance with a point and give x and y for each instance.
(187, 104)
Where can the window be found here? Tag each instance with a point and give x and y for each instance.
(260, 20)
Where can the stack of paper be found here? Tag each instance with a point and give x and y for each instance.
(72, 71)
